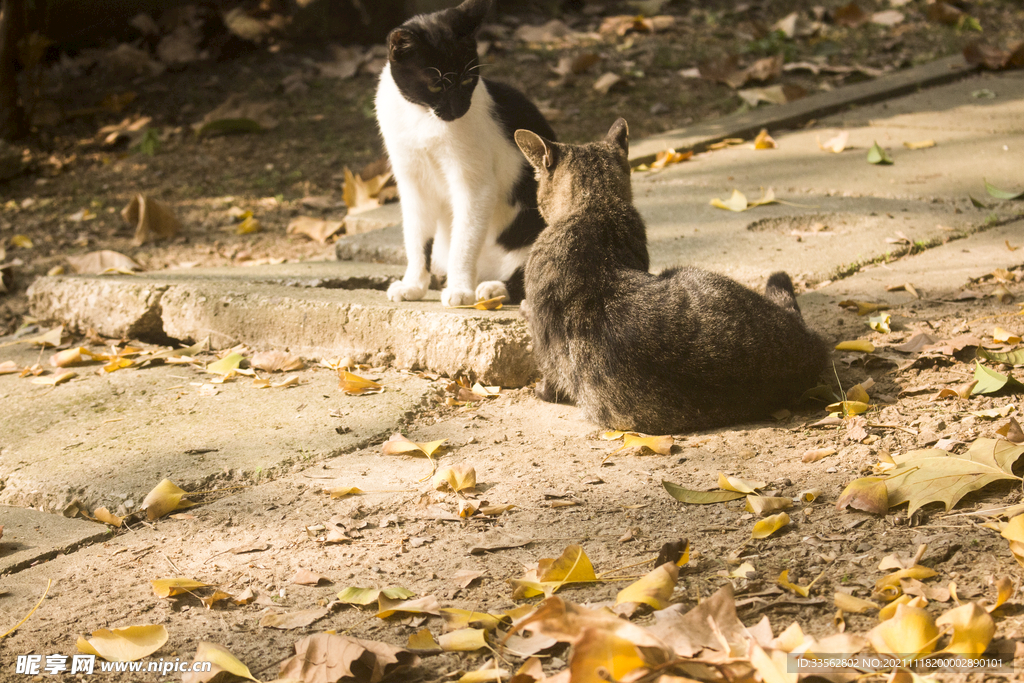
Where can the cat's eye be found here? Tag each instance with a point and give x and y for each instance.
(434, 88)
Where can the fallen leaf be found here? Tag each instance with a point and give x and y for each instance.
(1002, 194)
(761, 505)
(783, 580)
(235, 116)
(342, 491)
(910, 632)
(880, 323)
(1011, 358)
(276, 361)
(150, 218)
(317, 229)
(869, 494)
(809, 496)
(816, 454)
(362, 194)
(165, 588)
(877, 155)
(425, 605)
(107, 517)
(990, 382)
(1005, 337)
(166, 497)
(463, 640)
(934, 475)
(765, 141)
(863, 307)
(221, 659)
(21, 241)
(354, 595)
(852, 604)
(422, 640)
(127, 644)
(572, 566)
(606, 82)
(329, 657)
(973, 629)
(227, 365)
(8, 367)
(353, 385)
(738, 201)
(103, 261)
(397, 444)
(1012, 432)
(654, 589)
(54, 380)
(862, 345)
(456, 478)
(923, 144)
(304, 577)
(836, 144)
(739, 485)
(769, 525)
(485, 304)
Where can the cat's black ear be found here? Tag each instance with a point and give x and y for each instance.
(471, 14)
(400, 43)
(618, 135)
(541, 153)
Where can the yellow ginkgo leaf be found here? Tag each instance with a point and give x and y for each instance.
(226, 365)
(165, 588)
(222, 660)
(107, 517)
(463, 640)
(858, 393)
(654, 589)
(783, 580)
(835, 144)
(761, 505)
(164, 498)
(342, 491)
(571, 566)
(601, 649)
(55, 379)
(973, 629)
(662, 445)
(354, 385)
(852, 604)
(487, 673)
(880, 323)
(862, 345)
(124, 644)
(1001, 335)
(457, 478)
(455, 619)
(485, 304)
(919, 572)
(467, 507)
(72, 356)
(765, 141)
(923, 144)
(911, 631)
(737, 202)
(21, 241)
(422, 640)
(389, 607)
(769, 525)
(847, 408)
(889, 611)
(397, 444)
(613, 435)
(809, 496)
(248, 226)
(738, 485)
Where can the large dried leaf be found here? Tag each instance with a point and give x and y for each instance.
(911, 631)
(355, 595)
(973, 629)
(934, 475)
(329, 657)
(769, 525)
(362, 194)
(425, 605)
(711, 625)
(739, 485)
(571, 566)
(276, 361)
(398, 444)
(150, 218)
(455, 478)
(869, 494)
(165, 588)
(990, 382)
(127, 644)
(316, 229)
(463, 640)
(103, 261)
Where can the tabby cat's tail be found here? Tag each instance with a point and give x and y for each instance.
(779, 290)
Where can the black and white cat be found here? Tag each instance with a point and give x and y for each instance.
(681, 350)
(469, 198)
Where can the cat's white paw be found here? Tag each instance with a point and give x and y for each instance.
(457, 297)
(402, 291)
(491, 289)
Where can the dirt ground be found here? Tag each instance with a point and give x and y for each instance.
(567, 484)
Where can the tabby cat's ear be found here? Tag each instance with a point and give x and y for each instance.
(539, 152)
(400, 43)
(618, 135)
(471, 14)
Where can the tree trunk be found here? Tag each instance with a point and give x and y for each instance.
(12, 28)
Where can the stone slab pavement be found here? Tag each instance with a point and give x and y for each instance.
(108, 440)
(31, 536)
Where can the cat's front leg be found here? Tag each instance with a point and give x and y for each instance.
(417, 215)
(473, 207)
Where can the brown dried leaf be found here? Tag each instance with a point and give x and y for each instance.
(276, 361)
